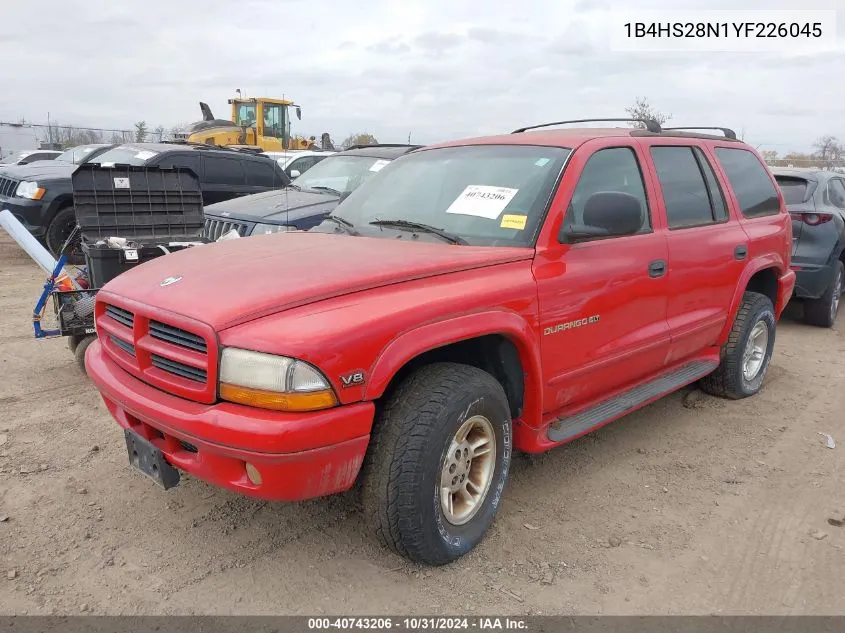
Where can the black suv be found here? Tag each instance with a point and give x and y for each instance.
(42, 199)
(308, 200)
(816, 202)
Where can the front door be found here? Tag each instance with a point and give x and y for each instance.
(602, 302)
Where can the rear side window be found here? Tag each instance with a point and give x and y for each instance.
(836, 193)
(794, 189)
(181, 160)
(221, 170)
(685, 194)
(750, 181)
(262, 175)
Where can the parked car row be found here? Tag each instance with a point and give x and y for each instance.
(456, 303)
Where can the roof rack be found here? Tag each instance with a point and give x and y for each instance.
(729, 133)
(365, 145)
(226, 148)
(650, 124)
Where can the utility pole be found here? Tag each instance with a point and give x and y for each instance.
(49, 131)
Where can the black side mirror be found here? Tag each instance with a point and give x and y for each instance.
(606, 214)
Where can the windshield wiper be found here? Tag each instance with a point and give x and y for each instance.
(329, 189)
(350, 228)
(419, 226)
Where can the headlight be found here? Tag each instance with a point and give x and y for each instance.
(266, 229)
(30, 190)
(272, 382)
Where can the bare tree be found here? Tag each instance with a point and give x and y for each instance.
(769, 155)
(642, 109)
(361, 138)
(159, 134)
(140, 131)
(829, 151)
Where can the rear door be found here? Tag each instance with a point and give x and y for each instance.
(707, 247)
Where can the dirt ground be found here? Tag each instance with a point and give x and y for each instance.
(693, 505)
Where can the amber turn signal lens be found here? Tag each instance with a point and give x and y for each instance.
(39, 193)
(293, 401)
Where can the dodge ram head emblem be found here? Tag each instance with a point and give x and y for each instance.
(168, 281)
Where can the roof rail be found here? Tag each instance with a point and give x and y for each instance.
(225, 148)
(650, 124)
(365, 145)
(729, 133)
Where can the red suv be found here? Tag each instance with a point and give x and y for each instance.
(473, 298)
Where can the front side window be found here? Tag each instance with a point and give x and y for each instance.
(494, 195)
(608, 170)
(754, 190)
(76, 155)
(245, 114)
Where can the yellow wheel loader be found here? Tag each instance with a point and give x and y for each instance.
(256, 122)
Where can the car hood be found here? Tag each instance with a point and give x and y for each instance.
(231, 282)
(39, 170)
(279, 205)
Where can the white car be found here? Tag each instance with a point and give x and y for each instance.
(297, 162)
(29, 156)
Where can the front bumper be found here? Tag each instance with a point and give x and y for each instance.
(299, 456)
(30, 213)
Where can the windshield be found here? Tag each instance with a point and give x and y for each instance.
(493, 195)
(341, 174)
(124, 155)
(76, 155)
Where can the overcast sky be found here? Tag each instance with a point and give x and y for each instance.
(437, 69)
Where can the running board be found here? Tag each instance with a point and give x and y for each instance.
(604, 412)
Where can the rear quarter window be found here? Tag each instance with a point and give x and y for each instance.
(794, 189)
(223, 170)
(750, 181)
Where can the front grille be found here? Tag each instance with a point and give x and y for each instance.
(126, 347)
(180, 369)
(177, 336)
(215, 228)
(179, 356)
(124, 317)
(8, 186)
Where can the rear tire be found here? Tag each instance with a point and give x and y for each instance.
(438, 461)
(57, 233)
(822, 312)
(748, 352)
(81, 348)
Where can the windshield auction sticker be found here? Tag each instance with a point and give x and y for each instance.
(482, 201)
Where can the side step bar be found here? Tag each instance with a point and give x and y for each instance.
(604, 412)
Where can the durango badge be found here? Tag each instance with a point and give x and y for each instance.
(169, 281)
(560, 327)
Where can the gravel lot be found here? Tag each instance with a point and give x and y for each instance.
(692, 505)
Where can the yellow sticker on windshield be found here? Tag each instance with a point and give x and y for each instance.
(513, 221)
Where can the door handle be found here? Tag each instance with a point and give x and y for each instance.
(741, 252)
(657, 268)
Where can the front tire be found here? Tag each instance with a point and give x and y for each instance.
(58, 232)
(748, 352)
(438, 463)
(81, 348)
(822, 312)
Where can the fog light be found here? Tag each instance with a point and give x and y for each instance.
(253, 474)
